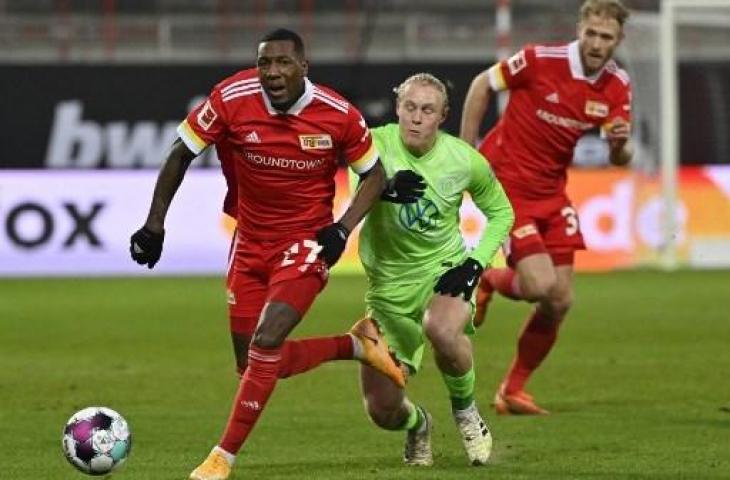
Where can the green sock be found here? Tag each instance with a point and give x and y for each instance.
(415, 418)
(461, 389)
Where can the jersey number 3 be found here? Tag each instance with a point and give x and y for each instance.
(571, 219)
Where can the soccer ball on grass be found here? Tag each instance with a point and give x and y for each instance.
(96, 440)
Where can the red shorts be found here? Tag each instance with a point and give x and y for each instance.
(544, 226)
(263, 271)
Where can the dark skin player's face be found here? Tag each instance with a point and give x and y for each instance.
(281, 72)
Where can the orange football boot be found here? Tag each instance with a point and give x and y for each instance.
(215, 467)
(376, 352)
(516, 403)
(484, 296)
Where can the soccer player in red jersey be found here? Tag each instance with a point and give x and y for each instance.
(557, 93)
(284, 135)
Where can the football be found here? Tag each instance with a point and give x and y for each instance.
(96, 440)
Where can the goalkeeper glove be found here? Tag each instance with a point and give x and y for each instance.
(460, 280)
(145, 246)
(406, 186)
(332, 239)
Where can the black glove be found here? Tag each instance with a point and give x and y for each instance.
(332, 239)
(459, 280)
(145, 246)
(406, 186)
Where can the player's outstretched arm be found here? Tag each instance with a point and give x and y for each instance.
(489, 196)
(333, 238)
(475, 107)
(145, 245)
(372, 184)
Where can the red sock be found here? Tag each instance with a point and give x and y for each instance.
(536, 341)
(504, 280)
(253, 392)
(299, 356)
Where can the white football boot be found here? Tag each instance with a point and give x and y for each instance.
(475, 434)
(418, 444)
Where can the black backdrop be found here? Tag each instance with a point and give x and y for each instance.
(155, 96)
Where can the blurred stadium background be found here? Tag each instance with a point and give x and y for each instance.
(92, 92)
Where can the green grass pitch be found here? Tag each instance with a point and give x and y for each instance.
(638, 384)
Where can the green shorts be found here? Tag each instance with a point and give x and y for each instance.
(399, 310)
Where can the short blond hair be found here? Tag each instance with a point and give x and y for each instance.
(423, 78)
(605, 8)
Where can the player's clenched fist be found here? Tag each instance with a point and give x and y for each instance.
(618, 133)
(332, 239)
(460, 280)
(145, 246)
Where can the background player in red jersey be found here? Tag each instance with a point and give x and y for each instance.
(284, 135)
(557, 93)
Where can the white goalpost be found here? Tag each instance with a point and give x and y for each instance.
(674, 13)
(684, 30)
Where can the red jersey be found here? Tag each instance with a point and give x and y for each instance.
(552, 104)
(285, 162)
(225, 152)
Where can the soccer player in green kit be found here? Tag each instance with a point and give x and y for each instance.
(421, 277)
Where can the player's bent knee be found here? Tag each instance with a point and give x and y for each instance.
(440, 332)
(537, 289)
(434, 331)
(561, 305)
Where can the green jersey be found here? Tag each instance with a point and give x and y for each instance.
(405, 243)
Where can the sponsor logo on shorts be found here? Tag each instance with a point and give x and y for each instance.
(525, 231)
(231, 297)
(316, 142)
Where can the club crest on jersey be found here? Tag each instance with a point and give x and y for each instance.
(448, 186)
(420, 216)
(321, 141)
(596, 109)
(517, 62)
(206, 116)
